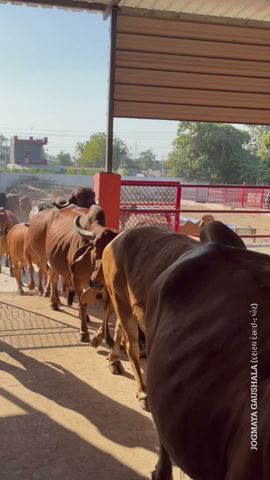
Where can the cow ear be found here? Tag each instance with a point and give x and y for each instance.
(80, 251)
(80, 258)
(201, 223)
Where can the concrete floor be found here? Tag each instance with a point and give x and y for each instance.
(63, 415)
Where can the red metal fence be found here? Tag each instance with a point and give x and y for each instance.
(150, 203)
(236, 196)
(158, 203)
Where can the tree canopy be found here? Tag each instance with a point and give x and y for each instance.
(218, 153)
(93, 153)
(63, 158)
(4, 149)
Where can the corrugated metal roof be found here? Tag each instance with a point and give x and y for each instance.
(248, 10)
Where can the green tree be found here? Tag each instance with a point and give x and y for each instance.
(146, 160)
(209, 152)
(64, 158)
(93, 153)
(4, 150)
(257, 134)
(79, 149)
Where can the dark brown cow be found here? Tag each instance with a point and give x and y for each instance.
(7, 221)
(208, 346)
(219, 233)
(80, 196)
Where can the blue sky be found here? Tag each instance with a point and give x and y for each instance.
(54, 73)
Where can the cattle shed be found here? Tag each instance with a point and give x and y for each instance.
(184, 59)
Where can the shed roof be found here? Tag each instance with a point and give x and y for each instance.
(244, 10)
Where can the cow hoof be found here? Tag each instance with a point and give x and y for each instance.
(55, 307)
(84, 337)
(95, 342)
(143, 401)
(97, 338)
(46, 294)
(11, 273)
(31, 286)
(21, 292)
(156, 475)
(116, 368)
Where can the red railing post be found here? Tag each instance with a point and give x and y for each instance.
(225, 196)
(178, 207)
(262, 198)
(243, 196)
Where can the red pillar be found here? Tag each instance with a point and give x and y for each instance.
(107, 187)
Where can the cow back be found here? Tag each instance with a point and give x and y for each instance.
(198, 327)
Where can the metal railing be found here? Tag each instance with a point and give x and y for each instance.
(164, 204)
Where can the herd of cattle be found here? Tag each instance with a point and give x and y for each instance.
(193, 299)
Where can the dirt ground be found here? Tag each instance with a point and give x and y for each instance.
(260, 221)
(63, 415)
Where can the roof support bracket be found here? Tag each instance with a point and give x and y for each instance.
(110, 6)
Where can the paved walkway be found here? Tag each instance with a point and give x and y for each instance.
(63, 415)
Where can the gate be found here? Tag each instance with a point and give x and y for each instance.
(150, 203)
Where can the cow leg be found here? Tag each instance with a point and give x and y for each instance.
(18, 273)
(115, 365)
(40, 277)
(70, 297)
(11, 272)
(104, 329)
(163, 469)
(31, 284)
(7, 262)
(47, 276)
(133, 351)
(130, 328)
(84, 334)
(55, 301)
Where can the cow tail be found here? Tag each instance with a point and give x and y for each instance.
(108, 313)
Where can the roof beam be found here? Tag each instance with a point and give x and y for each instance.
(108, 9)
(72, 4)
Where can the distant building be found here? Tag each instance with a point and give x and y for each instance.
(27, 151)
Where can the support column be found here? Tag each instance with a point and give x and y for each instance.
(109, 144)
(107, 187)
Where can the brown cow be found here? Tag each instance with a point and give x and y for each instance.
(7, 221)
(208, 346)
(194, 229)
(69, 252)
(84, 197)
(131, 263)
(21, 255)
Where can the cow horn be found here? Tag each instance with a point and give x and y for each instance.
(82, 231)
(62, 205)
